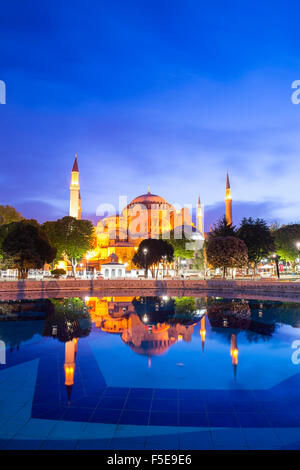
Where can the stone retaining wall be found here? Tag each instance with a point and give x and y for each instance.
(43, 288)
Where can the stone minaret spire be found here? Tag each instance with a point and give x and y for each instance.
(75, 198)
(228, 202)
(200, 216)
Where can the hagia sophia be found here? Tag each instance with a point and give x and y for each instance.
(147, 216)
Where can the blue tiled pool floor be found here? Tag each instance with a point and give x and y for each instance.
(19, 430)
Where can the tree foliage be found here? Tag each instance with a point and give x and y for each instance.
(257, 237)
(70, 319)
(24, 246)
(71, 237)
(180, 245)
(222, 229)
(286, 238)
(226, 252)
(9, 214)
(157, 251)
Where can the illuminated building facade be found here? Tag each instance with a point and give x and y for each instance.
(228, 202)
(117, 237)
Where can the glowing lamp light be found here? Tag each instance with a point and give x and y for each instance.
(180, 337)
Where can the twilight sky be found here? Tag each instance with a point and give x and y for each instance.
(166, 93)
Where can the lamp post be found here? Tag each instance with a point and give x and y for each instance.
(164, 264)
(183, 265)
(87, 256)
(298, 247)
(145, 251)
(276, 258)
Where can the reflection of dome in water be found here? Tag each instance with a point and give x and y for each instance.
(152, 348)
(149, 199)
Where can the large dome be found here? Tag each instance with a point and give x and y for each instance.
(149, 199)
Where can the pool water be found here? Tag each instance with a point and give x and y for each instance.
(156, 372)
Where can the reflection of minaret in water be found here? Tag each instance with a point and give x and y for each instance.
(202, 332)
(69, 366)
(234, 352)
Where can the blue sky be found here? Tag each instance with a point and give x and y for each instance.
(162, 93)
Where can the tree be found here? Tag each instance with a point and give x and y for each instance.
(157, 251)
(25, 246)
(71, 237)
(199, 260)
(70, 319)
(258, 239)
(180, 243)
(286, 238)
(9, 214)
(226, 252)
(222, 229)
(53, 230)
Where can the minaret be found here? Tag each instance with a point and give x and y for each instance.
(75, 198)
(228, 202)
(200, 216)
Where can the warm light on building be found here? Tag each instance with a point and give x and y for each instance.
(75, 197)
(228, 202)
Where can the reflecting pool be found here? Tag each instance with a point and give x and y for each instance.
(143, 372)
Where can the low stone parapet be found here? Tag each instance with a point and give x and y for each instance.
(75, 285)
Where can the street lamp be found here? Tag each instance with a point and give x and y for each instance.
(164, 264)
(276, 258)
(145, 251)
(88, 256)
(298, 247)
